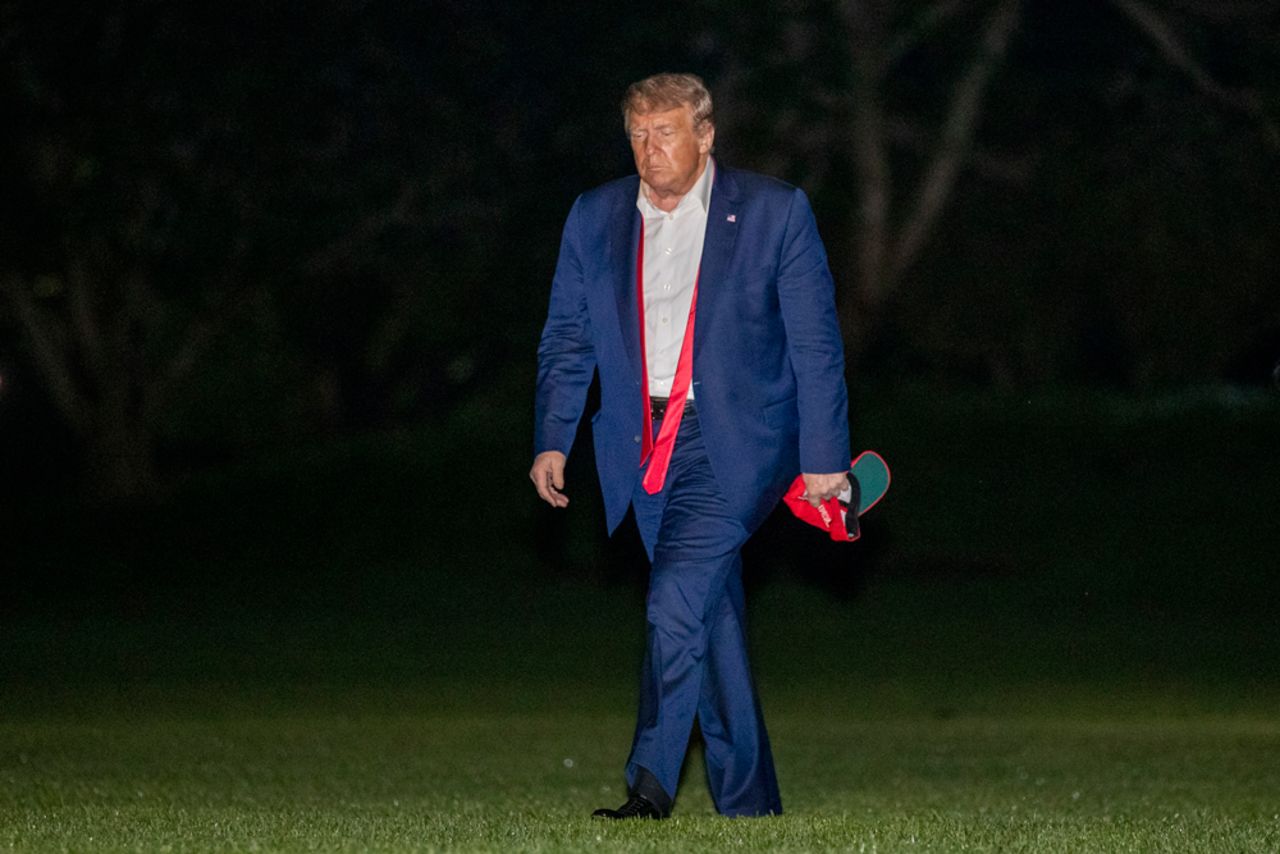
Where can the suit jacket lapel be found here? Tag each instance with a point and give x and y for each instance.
(717, 253)
(624, 244)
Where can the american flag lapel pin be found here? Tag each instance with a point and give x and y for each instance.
(732, 217)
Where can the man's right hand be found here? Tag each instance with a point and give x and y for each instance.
(547, 475)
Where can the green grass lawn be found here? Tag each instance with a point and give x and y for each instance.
(1059, 634)
(353, 773)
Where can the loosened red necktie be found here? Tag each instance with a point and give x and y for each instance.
(658, 453)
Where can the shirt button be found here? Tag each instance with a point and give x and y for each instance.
(667, 250)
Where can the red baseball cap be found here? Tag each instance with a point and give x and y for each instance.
(868, 482)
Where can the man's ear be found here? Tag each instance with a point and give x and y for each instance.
(707, 141)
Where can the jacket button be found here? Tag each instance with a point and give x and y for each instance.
(636, 439)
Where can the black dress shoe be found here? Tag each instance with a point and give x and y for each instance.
(635, 807)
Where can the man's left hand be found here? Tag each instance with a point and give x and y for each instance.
(819, 487)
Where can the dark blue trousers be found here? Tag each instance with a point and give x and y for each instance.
(695, 662)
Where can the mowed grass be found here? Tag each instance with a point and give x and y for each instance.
(365, 779)
(1059, 634)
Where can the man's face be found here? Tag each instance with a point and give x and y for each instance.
(669, 154)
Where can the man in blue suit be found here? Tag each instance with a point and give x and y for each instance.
(702, 297)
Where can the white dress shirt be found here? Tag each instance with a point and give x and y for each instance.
(672, 254)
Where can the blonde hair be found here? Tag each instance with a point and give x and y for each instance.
(666, 92)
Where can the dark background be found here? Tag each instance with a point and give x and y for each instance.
(272, 276)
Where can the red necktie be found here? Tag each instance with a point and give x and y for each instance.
(658, 453)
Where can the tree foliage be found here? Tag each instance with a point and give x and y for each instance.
(227, 226)
(972, 155)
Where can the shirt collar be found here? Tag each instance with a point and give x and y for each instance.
(700, 194)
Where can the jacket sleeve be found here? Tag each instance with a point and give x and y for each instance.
(806, 295)
(566, 357)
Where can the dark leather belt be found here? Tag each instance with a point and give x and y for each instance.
(658, 406)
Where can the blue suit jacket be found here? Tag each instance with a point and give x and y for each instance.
(768, 360)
